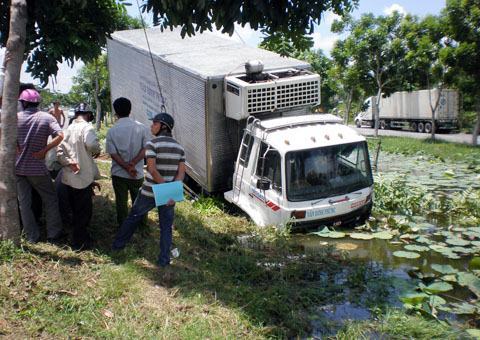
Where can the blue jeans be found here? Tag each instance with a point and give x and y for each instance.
(140, 208)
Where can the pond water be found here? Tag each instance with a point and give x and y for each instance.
(432, 243)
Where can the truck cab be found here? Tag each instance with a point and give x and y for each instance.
(365, 117)
(308, 171)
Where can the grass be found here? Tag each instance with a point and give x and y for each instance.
(443, 151)
(232, 280)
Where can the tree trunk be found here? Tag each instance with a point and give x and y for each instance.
(476, 129)
(9, 220)
(377, 110)
(348, 106)
(97, 100)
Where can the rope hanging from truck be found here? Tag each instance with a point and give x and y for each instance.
(163, 107)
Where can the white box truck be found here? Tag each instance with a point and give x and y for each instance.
(248, 132)
(411, 110)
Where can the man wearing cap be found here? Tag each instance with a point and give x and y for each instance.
(165, 163)
(34, 127)
(80, 146)
(126, 142)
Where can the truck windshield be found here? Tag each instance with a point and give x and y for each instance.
(327, 171)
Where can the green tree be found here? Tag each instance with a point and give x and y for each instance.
(91, 85)
(302, 50)
(48, 33)
(424, 41)
(346, 77)
(462, 53)
(376, 49)
(293, 18)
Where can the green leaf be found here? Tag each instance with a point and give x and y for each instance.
(469, 280)
(462, 308)
(414, 247)
(325, 232)
(449, 278)
(475, 333)
(414, 298)
(463, 250)
(444, 269)
(455, 241)
(474, 263)
(406, 254)
(361, 236)
(423, 239)
(449, 173)
(436, 301)
(383, 235)
(438, 287)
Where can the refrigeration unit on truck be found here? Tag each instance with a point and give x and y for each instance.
(411, 110)
(243, 115)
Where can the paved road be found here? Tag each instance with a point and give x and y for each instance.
(463, 138)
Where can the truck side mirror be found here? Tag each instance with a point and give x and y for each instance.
(263, 184)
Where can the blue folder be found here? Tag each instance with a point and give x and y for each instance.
(165, 191)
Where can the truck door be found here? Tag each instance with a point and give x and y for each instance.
(266, 186)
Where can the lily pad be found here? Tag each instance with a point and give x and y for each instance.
(408, 236)
(449, 278)
(435, 301)
(474, 263)
(444, 269)
(422, 226)
(438, 287)
(423, 239)
(325, 232)
(462, 308)
(463, 250)
(455, 241)
(414, 298)
(449, 173)
(361, 236)
(474, 333)
(414, 247)
(469, 280)
(438, 248)
(383, 235)
(473, 234)
(406, 254)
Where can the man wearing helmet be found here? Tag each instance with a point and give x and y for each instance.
(80, 146)
(165, 163)
(34, 127)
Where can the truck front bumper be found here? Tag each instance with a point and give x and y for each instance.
(349, 219)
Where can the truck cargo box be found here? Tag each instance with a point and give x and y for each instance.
(190, 87)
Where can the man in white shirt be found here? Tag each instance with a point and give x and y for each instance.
(125, 143)
(83, 146)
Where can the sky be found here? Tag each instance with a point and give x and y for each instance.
(323, 38)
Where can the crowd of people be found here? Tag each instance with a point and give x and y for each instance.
(56, 169)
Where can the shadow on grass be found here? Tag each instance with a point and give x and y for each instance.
(266, 280)
(271, 283)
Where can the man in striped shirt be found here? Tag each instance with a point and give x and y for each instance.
(34, 127)
(165, 163)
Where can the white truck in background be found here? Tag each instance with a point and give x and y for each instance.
(411, 110)
(248, 132)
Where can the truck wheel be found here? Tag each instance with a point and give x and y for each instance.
(428, 127)
(358, 123)
(383, 125)
(414, 126)
(420, 127)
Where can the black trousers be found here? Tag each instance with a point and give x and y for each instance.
(81, 205)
